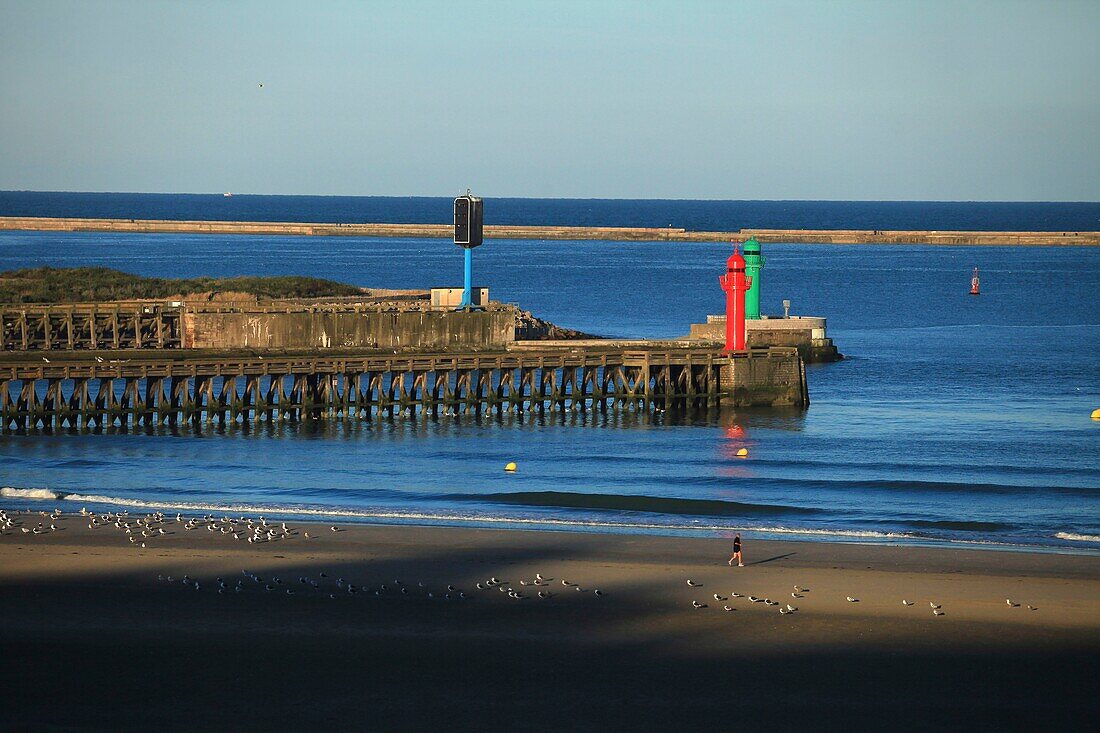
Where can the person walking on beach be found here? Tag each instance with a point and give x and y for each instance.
(737, 552)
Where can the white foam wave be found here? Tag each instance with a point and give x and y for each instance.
(1074, 537)
(407, 516)
(415, 516)
(13, 493)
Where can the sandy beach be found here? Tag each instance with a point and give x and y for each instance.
(95, 636)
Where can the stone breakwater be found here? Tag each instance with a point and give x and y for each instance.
(637, 234)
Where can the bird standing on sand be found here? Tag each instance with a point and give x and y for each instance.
(1011, 604)
(697, 604)
(934, 605)
(906, 603)
(692, 583)
(852, 600)
(936, 611)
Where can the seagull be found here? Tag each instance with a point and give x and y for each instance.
(736, 595)
(797, 589)
(852, 600)
(796, 595)
(597, 592)
(933, 605)
(480, 586)
(784, 611)
(565, 582)
(1011, 604)
(728, 608)
(936, 611)
(697, 604)
(1032, 608)
(906, 603)
(718, 597)
(791, 609)
(451, 588)
(754, 599)
(538, 576)
(692, 583)
(543, 594)
(333, 528)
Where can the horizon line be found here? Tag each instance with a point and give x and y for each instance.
(565, 198)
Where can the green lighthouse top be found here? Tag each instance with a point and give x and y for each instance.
(752, 246)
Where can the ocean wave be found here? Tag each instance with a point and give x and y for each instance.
(13, 493)
(308, 513)
(1074, 537)
(416, 516)
(632, 503)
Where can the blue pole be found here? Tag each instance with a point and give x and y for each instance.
(467, 289)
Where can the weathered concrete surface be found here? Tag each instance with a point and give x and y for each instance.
(805, 333)
(776, 381)
(640, 234)
(349, 329)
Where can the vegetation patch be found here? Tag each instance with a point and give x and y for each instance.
(99, 284)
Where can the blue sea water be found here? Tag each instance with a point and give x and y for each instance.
(955, 419)
(692, 215)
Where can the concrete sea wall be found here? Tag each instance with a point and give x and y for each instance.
(639, 234)
(349, 329)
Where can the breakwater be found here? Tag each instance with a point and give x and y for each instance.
(638, 234)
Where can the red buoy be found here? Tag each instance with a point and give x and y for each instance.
(975, 283)
(736, 283)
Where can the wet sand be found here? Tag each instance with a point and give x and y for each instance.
(92, 640)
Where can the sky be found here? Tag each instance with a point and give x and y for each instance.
(846, 100)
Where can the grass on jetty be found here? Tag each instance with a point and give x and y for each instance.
(99, 284)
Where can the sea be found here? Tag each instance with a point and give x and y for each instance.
(954, 420)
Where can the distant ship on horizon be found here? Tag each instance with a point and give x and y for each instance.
(227, 194)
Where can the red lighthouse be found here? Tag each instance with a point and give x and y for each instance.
(736, 283)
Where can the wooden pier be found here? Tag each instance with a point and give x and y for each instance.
(120, 388)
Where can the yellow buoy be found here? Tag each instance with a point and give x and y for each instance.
(743, 453)
(1096, 414)
(511, 467)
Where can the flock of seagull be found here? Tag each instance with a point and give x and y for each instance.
(153, 525)
(140, 531)
(786, 609)
(7, 522)
(323, 584)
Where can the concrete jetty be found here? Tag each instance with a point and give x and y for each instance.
(497, 231)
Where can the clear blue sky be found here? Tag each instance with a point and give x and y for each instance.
(953, 100)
